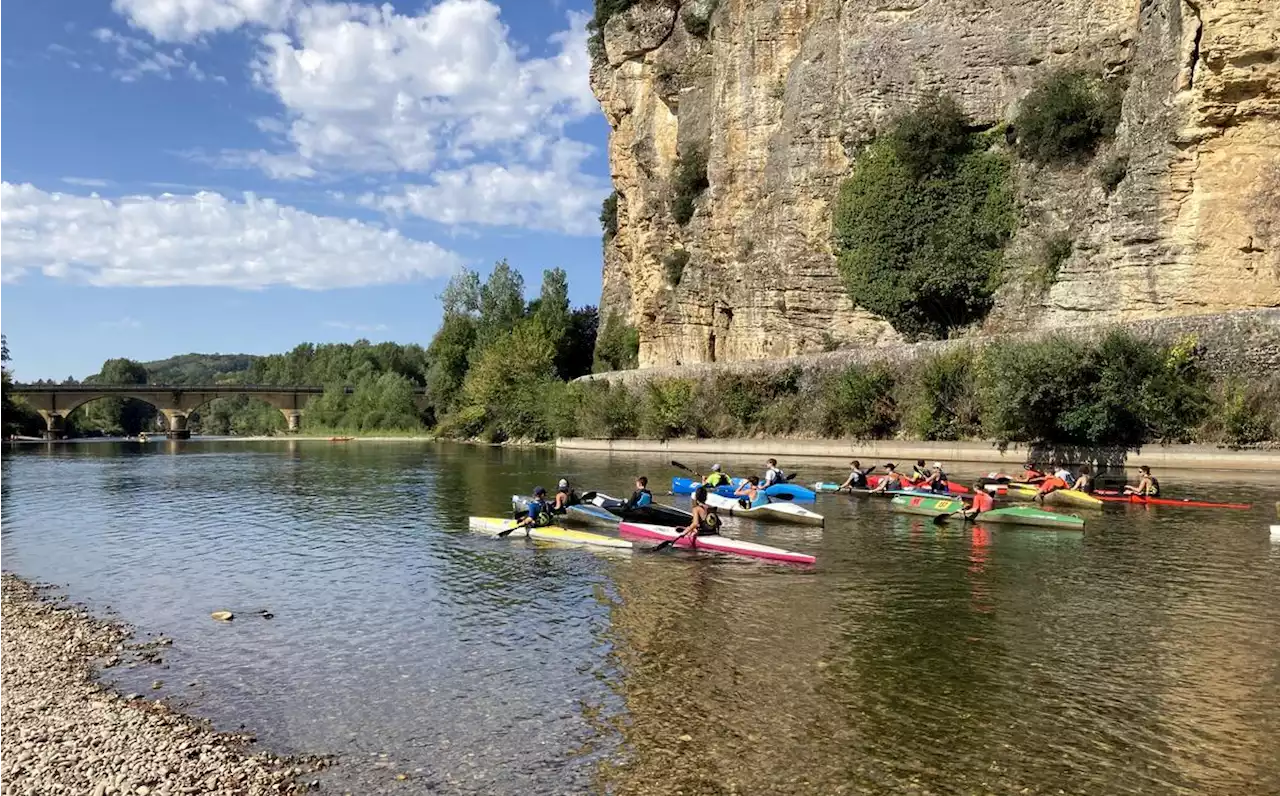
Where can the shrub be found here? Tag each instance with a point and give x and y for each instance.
(606, 411)
(921, 242)
(932, 137)
(666, 409)
(1244, 413)
(939, 398)
(688, 181)
(859, 403)
(699, 25)
(617, 345)
(605, 9)
(1111, 173)
(609, 216)
(1066, 116)
(673, 266)
(1054, 251)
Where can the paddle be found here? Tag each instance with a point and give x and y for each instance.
(668, 543)
(502, 534)
(686, 468)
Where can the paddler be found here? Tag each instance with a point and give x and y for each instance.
(1030, 475)
(706, 522)
(565, 497)
(857, 476)
(938, 480)
(1085, 482)
(717, 478)
(751, 492)
(772, 475)
(1148, 484)
(537, 513)
(919, 473)
(641, 497)
(892, 479)
(981, 502)
(1065, 476)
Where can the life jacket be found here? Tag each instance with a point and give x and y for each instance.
(1051, 483)
(771, 476)
(710, 524)
(540, 510)
(858, 479)
(1155, 486)
(716, 479)
(642, 497)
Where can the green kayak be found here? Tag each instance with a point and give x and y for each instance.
(925, 505)
(1027, 515)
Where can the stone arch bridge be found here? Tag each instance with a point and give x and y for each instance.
(55, 402)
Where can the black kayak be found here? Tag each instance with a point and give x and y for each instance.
(652, 514)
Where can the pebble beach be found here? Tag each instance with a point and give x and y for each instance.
(64, 732)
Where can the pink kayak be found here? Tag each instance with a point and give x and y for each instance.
(719, 544)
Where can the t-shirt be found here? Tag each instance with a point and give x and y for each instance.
(982, 502)
(772, 476)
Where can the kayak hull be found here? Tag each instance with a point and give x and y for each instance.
(492, 526)
(772, 512)
(653, 514)
(793, 492)
(1027, 515)
(577, 514)
(1159, 501)
(1072, 498)
(718, 544)
(952, 487)
(927, 506)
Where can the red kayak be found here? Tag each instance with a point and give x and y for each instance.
(1112, 496)
(956, 489)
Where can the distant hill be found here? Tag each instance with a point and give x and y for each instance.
(200, 369)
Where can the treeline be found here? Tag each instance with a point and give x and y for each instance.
(1117, 391)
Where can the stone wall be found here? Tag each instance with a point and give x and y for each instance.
(783, 94)
(1244, 343)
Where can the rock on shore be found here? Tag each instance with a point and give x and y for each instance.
(65, 733)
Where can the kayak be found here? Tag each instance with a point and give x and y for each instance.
(952, 486)
(687, 486)
(1159, 501)
(578, 514)
(779, 512)
(825, 487)
(1072, 497)
(928, 506)
(1028, 515)
(655, 513)
(716, 543)
(491, 526)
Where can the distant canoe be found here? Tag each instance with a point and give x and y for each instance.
(341, 439)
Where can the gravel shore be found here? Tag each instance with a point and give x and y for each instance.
(65, 733)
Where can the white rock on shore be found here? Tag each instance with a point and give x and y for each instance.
(63, 733)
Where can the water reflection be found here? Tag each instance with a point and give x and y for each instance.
(1139, 656)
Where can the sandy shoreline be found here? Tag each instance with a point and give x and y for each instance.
(63, 732)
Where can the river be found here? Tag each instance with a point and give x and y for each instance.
(1141, 656)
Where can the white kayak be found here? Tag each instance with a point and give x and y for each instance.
(492, 526)
(715, 543)
(776, 511)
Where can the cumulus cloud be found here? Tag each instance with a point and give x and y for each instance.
(204, 239)
(187, 20)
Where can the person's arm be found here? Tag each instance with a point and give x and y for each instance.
(745, 485)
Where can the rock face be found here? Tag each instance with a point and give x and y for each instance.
(783, 94)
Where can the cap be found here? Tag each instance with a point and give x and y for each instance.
(715, 468)
(539, 491)
(938, 465)
(890, 465)
(563, 483)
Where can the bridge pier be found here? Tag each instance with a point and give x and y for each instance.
(176, 420)
(55, 423)
(293, 417)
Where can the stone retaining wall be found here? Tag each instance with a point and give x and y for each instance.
(1244, 343)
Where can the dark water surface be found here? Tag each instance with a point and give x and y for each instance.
(1139, 657)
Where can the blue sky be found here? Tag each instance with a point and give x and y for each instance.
(245, 175)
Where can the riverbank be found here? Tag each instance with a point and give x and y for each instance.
(66, 733)
(1009, 459)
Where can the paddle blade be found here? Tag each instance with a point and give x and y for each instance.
(680, 466)
(502, 534)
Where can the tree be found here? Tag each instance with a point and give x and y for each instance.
(114, 415)
(449, 354)
(462, 295)
(501, 303)
(573, 357)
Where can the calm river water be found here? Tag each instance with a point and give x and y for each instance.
(1141, 656)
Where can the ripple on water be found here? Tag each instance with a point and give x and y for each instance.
(1137, 657)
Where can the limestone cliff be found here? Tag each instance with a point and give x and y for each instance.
(783, 94)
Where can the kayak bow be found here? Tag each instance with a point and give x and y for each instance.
(492, 526)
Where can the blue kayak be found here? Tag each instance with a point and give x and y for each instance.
(792, 492)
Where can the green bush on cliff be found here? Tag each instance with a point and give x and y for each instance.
(617, 346)
(688, 181)
(1066, 116)
(604, 11)
(673, 266)
(921, 224)
(609, 216)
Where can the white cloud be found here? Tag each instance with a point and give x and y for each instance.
(356, 327)
(202, 240)
(186, 20)
(88, 182)
(139, 58)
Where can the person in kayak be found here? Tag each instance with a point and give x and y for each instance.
(857, 476)
(750, 493)
(981, 502)
(1065, 475)
(892, 480)
(565, 497)
(919, 473)
(706, 522)
(1084, 483)
(1148, 484)
(717, 478)
(537, 513)
(1050, 483)
(938, 480)
(772, 475)
(641, 497)
(1030, 475)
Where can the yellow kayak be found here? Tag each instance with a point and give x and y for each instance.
(1059, 497)
(492, 526)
